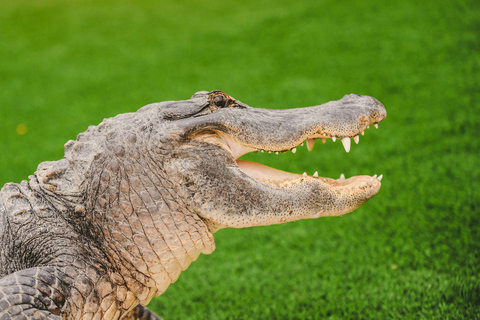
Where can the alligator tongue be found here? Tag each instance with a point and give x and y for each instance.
(261, 171)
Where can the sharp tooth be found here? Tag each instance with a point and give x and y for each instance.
(376, 125)
(269, 151)
(380, 177)
(304, 174)
(375, 176)
(262, 151)
(346, 143)
(368, 127)
(276, 152)
(294, 150)
(356, 139)
(315, 174)
(302, 143)
(324, 140)
(334, 138)
(362, 132)
(310, 144)
(342, 177)
(370, 182)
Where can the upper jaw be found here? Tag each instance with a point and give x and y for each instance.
(249, 129)
(238, 149)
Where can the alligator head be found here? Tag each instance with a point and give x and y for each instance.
(214, 130)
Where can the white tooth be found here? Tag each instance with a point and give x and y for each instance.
(346, 143)
(276, 152)
(315, 174)
(310, 144)
(324, 140)
(362, 132)
(342, 177)
(294, 150)
(334, 138)
(376, 125)
(262, 151)
(269, 151)
(356, 139)
(368, 127)
(302, 143)
(375, 176)
(304, 174)
(380, 177)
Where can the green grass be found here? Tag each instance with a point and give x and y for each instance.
(412, 252)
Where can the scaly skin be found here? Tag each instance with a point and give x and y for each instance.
(137, 198)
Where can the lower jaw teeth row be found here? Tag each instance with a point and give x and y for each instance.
(342, 176)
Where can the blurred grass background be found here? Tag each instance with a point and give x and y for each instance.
(412, 252)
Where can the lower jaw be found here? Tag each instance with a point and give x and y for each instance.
(284, 179)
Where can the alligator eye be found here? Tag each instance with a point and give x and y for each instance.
(220, 100)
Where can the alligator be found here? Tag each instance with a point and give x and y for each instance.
(137, 198)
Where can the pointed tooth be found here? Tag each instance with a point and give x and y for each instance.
(342, 177)
(380, 177)
(356, 139)
(324, 140)
(376, 125)
(302, 143)
(269, 151)
(334, 138)
(362, 132)
(346, 143)
(315, 174)
(262, 151)
(368, 127)
(375, 176)
(294, 150)
(310, 144)
(304, 174)
(276, 152)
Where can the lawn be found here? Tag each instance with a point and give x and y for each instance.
(412, 252)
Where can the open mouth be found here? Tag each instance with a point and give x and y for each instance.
(283, 179)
